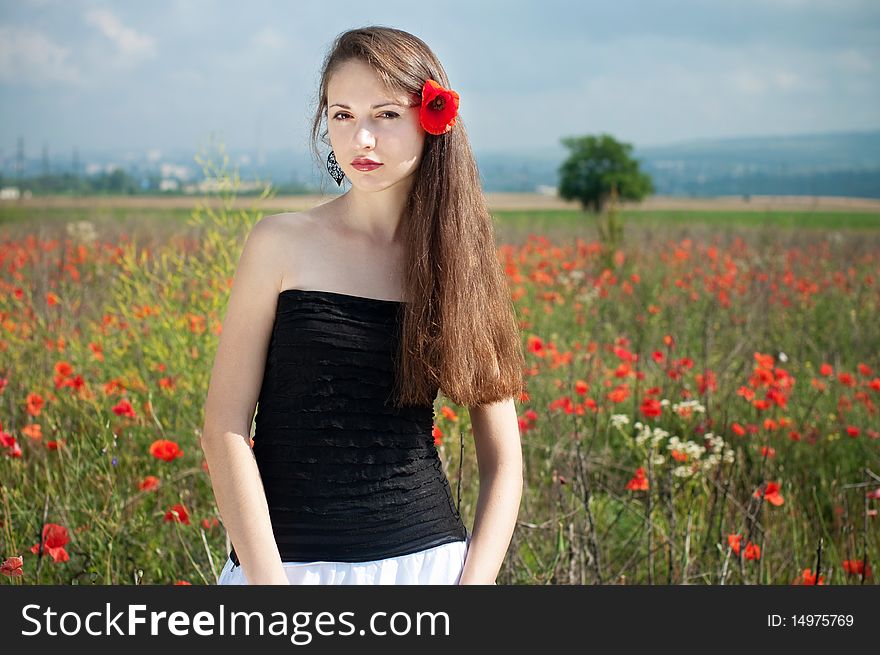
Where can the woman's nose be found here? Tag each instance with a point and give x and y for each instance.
(364, 137)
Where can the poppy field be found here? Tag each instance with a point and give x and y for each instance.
(701, 406)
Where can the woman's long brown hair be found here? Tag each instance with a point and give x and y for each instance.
(459, 332)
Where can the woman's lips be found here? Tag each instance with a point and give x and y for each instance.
(365, 167)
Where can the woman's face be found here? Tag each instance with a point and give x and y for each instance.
(389, 134)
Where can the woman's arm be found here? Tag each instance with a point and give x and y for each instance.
(241, 501)
(233, 390)
(499, 459)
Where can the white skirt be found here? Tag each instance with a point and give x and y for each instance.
(438, 565)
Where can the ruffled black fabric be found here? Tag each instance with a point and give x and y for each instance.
(348, 477)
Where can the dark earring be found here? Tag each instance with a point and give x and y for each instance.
(335, 171)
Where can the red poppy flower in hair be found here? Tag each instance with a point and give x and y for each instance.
(439, 108)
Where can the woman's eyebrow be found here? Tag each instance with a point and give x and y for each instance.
(381, 104)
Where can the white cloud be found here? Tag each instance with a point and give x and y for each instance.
(756, 82)
(854, 60)
(269, 38)
(748, 82)
(30, 57)
(132, 45)
(788, 80)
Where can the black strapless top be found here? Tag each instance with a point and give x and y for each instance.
(347, 477)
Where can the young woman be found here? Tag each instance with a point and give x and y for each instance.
(343, 323)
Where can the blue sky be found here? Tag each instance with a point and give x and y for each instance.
(168, 73)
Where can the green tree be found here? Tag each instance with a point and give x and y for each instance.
(598, 172)
(594, 166)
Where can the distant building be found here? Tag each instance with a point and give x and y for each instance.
(10, 193)
(213, 185)
(176, 171)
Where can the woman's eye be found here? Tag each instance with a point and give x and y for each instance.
(342, 113)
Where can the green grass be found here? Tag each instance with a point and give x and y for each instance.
(30, 215)
(819, 220)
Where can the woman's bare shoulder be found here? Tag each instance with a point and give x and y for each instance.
(286, 229)
(308, 243)
(287, 221)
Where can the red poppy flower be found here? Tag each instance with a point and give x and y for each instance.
(733, 540)
(149, 483)
(124, 408)
(213, 522)
(54, 539)
(753, 551)
(12, 566)
(771, 494)
(177, 513)
(856, 567)
(651, 407)
(809, 578)
(34, 404)
(11, 446)
(439, 108)
(165, 450)
(679, 456)
(535, 345)
(449, 413)
(638, 482)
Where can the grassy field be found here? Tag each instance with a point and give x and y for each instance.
(703, 411)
